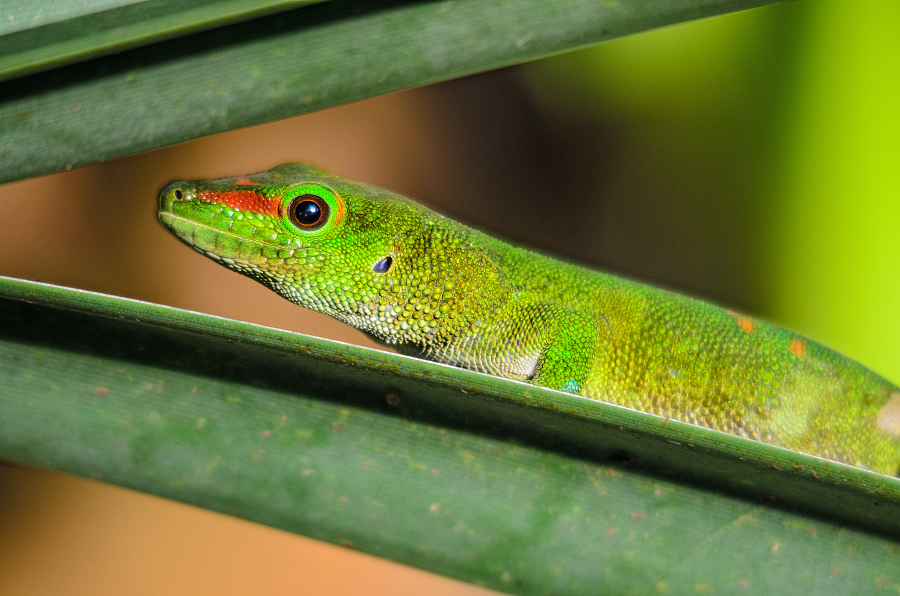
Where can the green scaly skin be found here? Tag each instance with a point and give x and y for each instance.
(431, 287)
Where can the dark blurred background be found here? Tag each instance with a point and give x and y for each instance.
(751, 159)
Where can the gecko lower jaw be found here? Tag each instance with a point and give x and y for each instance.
(186, 230)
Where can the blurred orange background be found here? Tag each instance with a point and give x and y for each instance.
(750, 159)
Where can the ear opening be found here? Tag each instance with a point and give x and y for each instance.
(383, 265)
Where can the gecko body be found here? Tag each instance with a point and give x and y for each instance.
(434, 288)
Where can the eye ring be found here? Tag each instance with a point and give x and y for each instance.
(308, 211)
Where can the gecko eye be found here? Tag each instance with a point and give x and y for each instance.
(308, 211)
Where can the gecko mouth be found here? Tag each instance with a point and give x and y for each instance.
(213, 241)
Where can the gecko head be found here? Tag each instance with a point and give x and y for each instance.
(354, 251)
(259, 216)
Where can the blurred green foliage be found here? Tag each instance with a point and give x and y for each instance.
(834, 235)
(770, 143)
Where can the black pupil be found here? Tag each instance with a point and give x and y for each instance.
(308, 213)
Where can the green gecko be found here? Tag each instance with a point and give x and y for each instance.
(433, 288)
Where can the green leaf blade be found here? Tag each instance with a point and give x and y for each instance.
(293, 63)
(493, 486)
(37, 37)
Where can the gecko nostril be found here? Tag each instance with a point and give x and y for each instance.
(178, 194)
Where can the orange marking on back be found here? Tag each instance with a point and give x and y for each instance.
(745, 324)
(244, 181)
(242, 200)
(796, 347)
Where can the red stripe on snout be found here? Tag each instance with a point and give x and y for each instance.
(242, 200)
